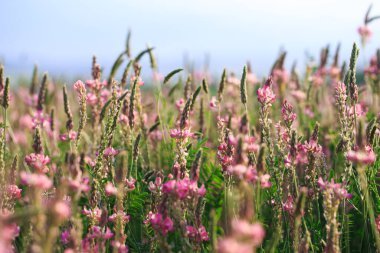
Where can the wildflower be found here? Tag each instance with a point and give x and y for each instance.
(109, 151)
(79, 86)
(264, 180)
(121, 248)
(130, 183)
(198, 235)
(252, 146)
(298, 95)
(378, 223)
(14, 192)
(313, 147)
(79, 184)
(365, 157)
(95, 214)
(156, 186)
(245, 231)
(181, 134)
(231, 245)
(38, 162)
(139, 81)
(336, 189)
(65, 236)
(288, 205)
(287, 113)
(91, 99)
(169, 186)
(119, 214)
(213, 104)
(265, 95)
(365, 33)
(159, 223)
(62, 210)
(36, 180)
(110, 189)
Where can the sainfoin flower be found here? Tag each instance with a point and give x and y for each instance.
(159, 223)
(198, 235)
(367, 156)
(79, 86)
(119, 214)
(14, 192)
(265, 95)
(365, 32)
(38, 162)
(36, 180)
(336, 188)
(244, 237)
(110, 189)
(109, 151)
(62, 210)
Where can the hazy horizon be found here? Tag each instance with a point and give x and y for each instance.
(61, 37)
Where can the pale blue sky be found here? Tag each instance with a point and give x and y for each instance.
(61, 36)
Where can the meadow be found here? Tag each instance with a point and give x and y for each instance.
(184, 162)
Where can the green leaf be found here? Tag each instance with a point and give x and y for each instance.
(171, 74)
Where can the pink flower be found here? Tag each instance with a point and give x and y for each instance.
(72, 135)
(156, 186)
(378, 223)
(80, 184)
(169, 186)
(251, 78)
(119, 214)
(181, 134)
(232, 245)
(365, 157)
(360, 110)
(62, 210)
(91, 99)
(287, 113)
(38, 162)
(160, 224)
(198, 235)
(201, 191)
(365, 32)
(121, 248)
(288, 205)
(130, 183)
(298, 95)
(79, 86)
(108, 234)
(265, 95)
(213, 104)
(65, 237)
(313, 147)
(243, 230)
(109, 151)
(139, 81)
(14, 192)
(93, 214)
(265, 183)
(36, 180)
(336, 189)
(182, 188)
(110, 189)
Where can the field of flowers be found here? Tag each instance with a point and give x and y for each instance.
(190, 163)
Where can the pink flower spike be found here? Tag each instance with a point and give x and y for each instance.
(38, 162)
(110, 189)
(169, 186)
(109, 151)
(36, 180)
(62, 210)
(79, 86)
(14, 192)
